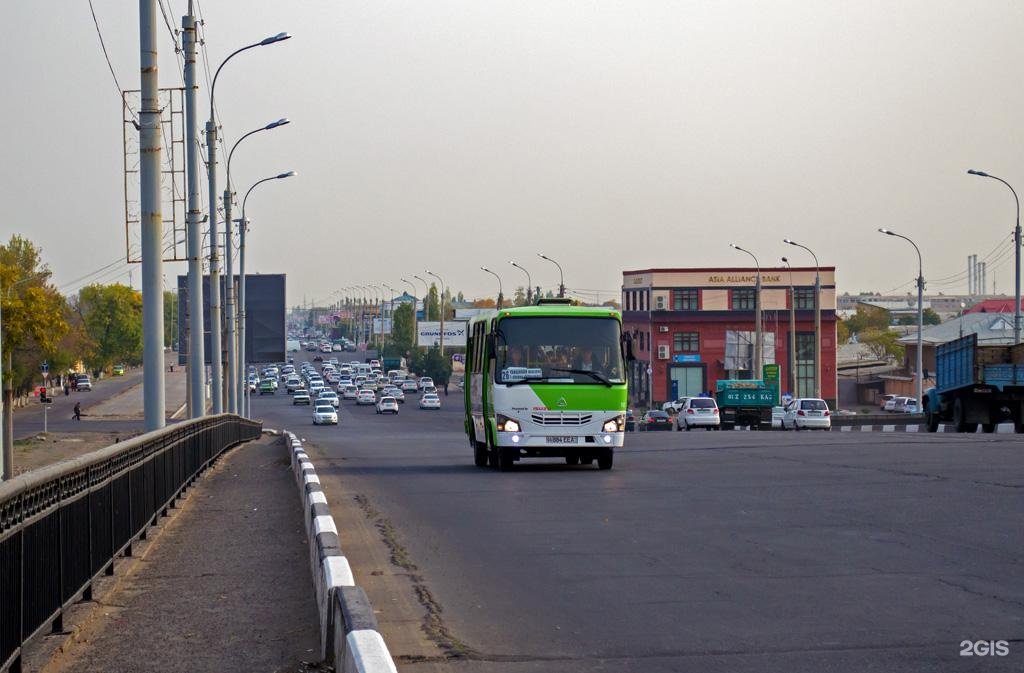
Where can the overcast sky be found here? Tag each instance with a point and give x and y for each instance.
(609, 135)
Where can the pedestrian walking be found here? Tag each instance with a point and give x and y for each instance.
(78, 412)
(67, 389)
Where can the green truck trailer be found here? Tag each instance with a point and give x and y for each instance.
(747, 402)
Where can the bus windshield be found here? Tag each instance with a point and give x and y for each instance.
(558, 349)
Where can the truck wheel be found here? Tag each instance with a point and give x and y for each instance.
(988, 427)
(931, 421)
(960, 418)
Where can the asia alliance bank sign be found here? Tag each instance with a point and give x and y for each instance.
(429, 333)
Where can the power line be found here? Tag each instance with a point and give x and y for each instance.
(103, 46)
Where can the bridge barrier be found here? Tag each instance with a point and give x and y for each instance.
(63, 525)
(349, 638)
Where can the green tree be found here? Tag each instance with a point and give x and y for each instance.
(112, 317)
(402, 334)
(432, 310)
(34, 315)
(868, 317)
(882, 343)
(931, 317)
(519, 298)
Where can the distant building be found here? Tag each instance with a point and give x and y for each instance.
(991, 329)
(692, 327)
(999, 305)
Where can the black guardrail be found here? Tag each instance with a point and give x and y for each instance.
(63, 525)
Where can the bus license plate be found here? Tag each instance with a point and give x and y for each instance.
(562, 440)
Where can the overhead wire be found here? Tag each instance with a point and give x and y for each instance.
(110, 66)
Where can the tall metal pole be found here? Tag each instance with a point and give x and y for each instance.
(442, 308)
(529, 282)
(243, 372)
(1016, 250)
(561, 276)
(817, 318)
(500, 293)
(758, 333)
(920, 316)
(792, 332)
(151, 223)
(216, 385)
(230, 385)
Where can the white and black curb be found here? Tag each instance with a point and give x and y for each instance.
(1002, 428)
(349, 639)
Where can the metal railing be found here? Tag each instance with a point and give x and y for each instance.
(63, 525)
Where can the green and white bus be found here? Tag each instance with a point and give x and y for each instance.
(545, 381)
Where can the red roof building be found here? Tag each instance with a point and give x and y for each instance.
(993, 306)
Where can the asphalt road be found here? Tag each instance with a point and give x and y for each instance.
(28, 420)
(728, 551)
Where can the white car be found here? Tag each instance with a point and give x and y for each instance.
(349, 392)
(698, 412)
(674, 406)
(890, 404)
(324, 414)
(396, 393)
(329, 396)
(430, 402)
(83, 383)
(807, 414)
(300, 397)
(387, 405)
(366, 397)
(409, 386)
(424, 382)
(778, 413)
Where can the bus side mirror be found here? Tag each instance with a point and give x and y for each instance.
(627, 348)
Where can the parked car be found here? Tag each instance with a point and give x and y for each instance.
(83, 383)
(430, 402)
(324, 414)
(777, 415)
(890, 405)
(884, 399)
(387, 405)
(806, 414)
(300, 397)
(905, 405)
(674, 406)
(656, 419)
(698, 412)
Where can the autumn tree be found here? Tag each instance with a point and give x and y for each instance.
(112, 317)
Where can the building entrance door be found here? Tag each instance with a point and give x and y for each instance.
(686, 380)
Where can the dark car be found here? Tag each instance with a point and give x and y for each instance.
(656, 419)
(630, 420)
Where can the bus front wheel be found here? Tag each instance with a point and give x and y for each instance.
(479, 454)
(604, 460)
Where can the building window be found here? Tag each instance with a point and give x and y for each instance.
(686, 342)
(805, 364)
(684, 300)
(803, 298)
(743, 300)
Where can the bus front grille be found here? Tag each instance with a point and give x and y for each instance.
(561, 418)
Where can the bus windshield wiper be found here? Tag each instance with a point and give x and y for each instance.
(594, 375)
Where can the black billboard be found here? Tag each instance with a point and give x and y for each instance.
(264, 318)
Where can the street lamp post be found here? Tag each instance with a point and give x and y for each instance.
(561, 276)
(211, 153)
(817, 317)
(792, 332)
(391, 312)
(235, 381)
(500, 293)
(431, 273)
(243, 227)
(920, 315)
(758, 335)
(1016, 250)
(529, 282)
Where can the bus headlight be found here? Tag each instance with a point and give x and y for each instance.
(617, 424)
(506, 424)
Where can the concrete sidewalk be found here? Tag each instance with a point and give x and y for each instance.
(224, 587)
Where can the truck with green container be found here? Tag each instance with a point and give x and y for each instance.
(746, 402)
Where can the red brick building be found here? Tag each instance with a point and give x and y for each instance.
(692, 327)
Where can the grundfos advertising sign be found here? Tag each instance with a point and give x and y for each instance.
(430, 333)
